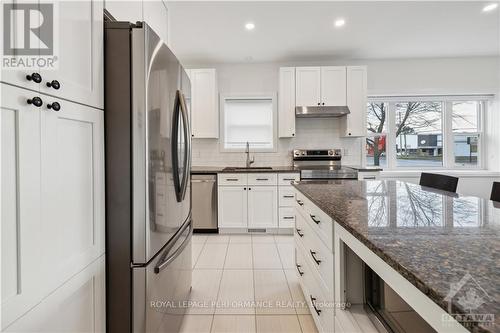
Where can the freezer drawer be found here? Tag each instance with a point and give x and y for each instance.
(204, 201)
(161, 288)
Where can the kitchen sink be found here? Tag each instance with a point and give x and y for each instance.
(245, 168)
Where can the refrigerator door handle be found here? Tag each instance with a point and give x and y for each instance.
(187, 141)
(165, 261)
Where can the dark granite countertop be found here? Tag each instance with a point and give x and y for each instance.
(215, 169)
(364, 169)
(435, 240)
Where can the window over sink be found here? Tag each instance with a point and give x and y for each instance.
(251, 119)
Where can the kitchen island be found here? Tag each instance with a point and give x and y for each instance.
(438, 251)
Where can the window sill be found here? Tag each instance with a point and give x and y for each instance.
(453, 172)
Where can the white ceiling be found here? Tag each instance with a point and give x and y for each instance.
(213, 32)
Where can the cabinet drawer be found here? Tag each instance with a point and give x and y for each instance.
(286, 217)
(319, 221)
(229, 179)
(320, 302)
(262, 179)
(286, 196)
(317, 255)
(284, 179)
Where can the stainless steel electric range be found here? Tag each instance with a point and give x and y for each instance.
(321, 164)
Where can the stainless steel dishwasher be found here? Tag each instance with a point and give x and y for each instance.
(204, 206)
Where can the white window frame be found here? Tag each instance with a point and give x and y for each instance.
(447, 130)
(223, 98)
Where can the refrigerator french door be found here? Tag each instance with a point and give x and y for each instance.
(148, 193)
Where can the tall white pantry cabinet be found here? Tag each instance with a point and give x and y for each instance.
(52, 185)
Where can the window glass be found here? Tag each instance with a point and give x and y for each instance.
(465, 132)
(419, 134)
(465, 116)
(376, 154)
(376, 117)
(248, 120)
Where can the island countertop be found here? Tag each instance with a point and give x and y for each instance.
(435, 239)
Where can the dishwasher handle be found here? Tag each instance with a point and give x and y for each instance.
(203, 180)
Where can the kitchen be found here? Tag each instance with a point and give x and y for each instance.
(253, 167)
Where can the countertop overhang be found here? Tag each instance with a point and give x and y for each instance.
(432, 238)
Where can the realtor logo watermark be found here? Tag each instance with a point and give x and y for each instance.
(470, 296)
(29, 39)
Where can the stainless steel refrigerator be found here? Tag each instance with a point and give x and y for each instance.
(148, 194)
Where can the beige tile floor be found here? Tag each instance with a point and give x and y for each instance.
(239, 283)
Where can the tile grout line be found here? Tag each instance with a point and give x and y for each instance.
(220, 284)
(253, 279)
(288, 284)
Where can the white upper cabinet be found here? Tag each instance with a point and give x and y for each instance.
(286, 102)
(156, 16)
(333, 86)
(355, 122)
(308, 86)
(204, 103)
(130, 11)
(80, 64)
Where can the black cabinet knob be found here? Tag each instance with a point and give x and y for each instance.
(35, 77)
(54, 84)
(323, 103)
(36, 101)
(54, 106)
(319, 103)
(293, 134)
(349, 133)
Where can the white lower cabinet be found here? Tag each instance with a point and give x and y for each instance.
(52, 204)
(262, 207)
(72, 202)
(78, 305)
(20, 206)
(232, 204)
(251, 201)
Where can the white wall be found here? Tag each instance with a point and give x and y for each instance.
(479, 75)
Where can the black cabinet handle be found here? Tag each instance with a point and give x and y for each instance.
(313, 302)
(289, 179)
(288, 217)
(231, 179)
(54, 84)
(313, 255)
(300, 202)
(298, 269)
(298, 232)
(36, 101)
(54, 106)
(262, 179)
(289, 196)
(35, 77)
(313, 217)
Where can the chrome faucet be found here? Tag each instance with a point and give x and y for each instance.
(249, 161)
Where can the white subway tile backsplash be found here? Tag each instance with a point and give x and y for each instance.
(310, 134)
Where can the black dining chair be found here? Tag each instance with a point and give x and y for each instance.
(440, 182)
(495, 192)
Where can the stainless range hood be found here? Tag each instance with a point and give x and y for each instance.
(321, 111)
